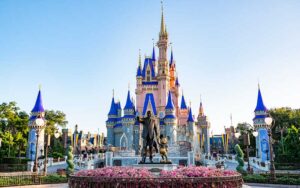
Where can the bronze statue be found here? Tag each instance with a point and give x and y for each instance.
(148, 135)
(163, 149)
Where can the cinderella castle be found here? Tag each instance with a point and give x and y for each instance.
(158, 90)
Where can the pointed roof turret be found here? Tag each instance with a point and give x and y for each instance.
(139, 69)
(177, 82)
(113, 107)
(153, 53)
(190, 117)
(201, 111)
(260, 104)
(129, 104)
(38, 107)
(183, 104)
(170, 104)
(171, 58)
(163, 30)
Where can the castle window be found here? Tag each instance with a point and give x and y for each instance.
(148, 75)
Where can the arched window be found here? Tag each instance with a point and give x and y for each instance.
(148, 75)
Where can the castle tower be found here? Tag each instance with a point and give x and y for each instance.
(139, 86)
(204, 124)
(170, 121)
(262, 140)
(190, 127)
(182, 120)
(37, 112)
(163, 77)
(174, 84)
(128, 121)
(111, 122)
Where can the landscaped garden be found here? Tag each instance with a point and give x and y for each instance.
(130, 177)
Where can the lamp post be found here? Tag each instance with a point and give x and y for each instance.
(270, 122)
(38, 125)
(46, 154)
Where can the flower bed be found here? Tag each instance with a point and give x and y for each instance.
(199, 177)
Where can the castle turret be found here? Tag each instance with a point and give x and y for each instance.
(172, 71)
(163, 67)
(37, 112)
(111, 122)
(203, 124)
(262, 140)
(170, 120)
(190, 126)
(128, 122)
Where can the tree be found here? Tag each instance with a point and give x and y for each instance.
(244, 128)
(240, 159)
(54, 118)
(13, 127)
(70, 168)
(287, 121)
(8, 141)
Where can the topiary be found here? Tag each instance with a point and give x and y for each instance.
(240, 159)
(70, 168)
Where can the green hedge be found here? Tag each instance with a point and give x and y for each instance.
(13, 160)
(54, 178)
(280, 179)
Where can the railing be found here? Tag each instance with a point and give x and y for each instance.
(13, 167)
(15, 179)
(232, 182)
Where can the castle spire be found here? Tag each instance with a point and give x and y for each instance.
(201, 111)
(153, 52)
(190, 117)
(139, 69)
(129, 103)
(38, 107)
(183, 104)
(260, 104)
(171, 59)
(162, 24)
(170, 104)
(113, 107)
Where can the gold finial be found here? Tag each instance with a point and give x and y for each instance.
(40, 86)
(162, 26)
(153, 41)
(113, 93)
(140, 58)
(182, 91)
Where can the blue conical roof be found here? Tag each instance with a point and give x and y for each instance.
(153, 54)
(183, 104)
(177, 82)
(139, 71)
(170, 104)
(38, 107)
(113, 108)
(190, 118)
(260, 104)
(129, 104)
(171, 59)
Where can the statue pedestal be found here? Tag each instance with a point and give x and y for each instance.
(156, 167)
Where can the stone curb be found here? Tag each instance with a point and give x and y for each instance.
(272, 185)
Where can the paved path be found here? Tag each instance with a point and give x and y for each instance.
(53, 169)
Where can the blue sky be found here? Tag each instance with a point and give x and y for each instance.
(80, 50)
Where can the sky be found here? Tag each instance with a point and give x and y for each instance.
(79, 51)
